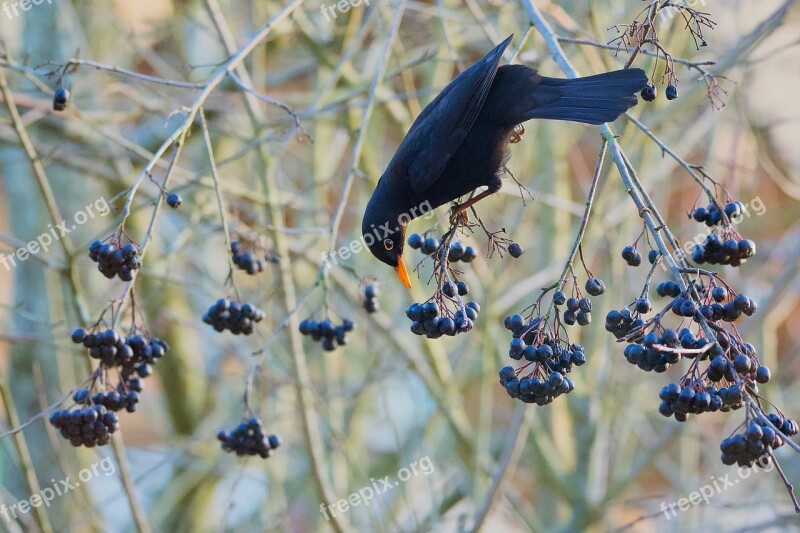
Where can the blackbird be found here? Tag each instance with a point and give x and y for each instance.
(460, 140)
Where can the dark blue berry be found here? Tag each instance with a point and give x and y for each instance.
(671, 92)
(429, 245)
(595, 286)
(60, 99)
(174, 200)
(430, 310)
(515, 250)
(456, 251)
(649, 92)
(462, 288)
(559, 298)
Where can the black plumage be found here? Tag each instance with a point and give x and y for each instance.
(460, 140)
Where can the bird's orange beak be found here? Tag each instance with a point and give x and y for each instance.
(402, 272)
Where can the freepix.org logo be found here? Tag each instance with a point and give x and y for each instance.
(717, 486)
(343, 6)
(57, 488)
(12, 9)
(377, 234)
(366, 493)
(54, 233)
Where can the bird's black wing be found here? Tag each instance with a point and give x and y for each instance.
(439, 130)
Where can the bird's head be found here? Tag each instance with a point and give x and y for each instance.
(385, 238)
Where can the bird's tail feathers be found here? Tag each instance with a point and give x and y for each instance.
(591, 100)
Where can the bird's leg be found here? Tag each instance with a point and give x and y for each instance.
(459, 209)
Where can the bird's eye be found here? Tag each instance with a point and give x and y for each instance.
(388, 244)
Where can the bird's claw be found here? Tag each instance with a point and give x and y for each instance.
(458, 215)
(516, 135)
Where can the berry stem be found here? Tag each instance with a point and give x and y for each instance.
(699, 179)
(73, 63)
(648, 25)
(681, 61)
(786, 482)
(576, 246)
(220, 201)
(148, 233)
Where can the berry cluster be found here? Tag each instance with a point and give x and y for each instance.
(724, 246)
(696, 397)
(88, 426)
(650, 92)
(445, 313)
(632, 256)
(428, 245)
(712, 215)
(370, 304)
(623, 323)
(131, 356)
(658, 348)
(547, 360)
(125, 397)
(248, 438)
(579, 307)
(656, 352)
(725, 372)
(717, 303)
(246, 260)
(114, 260)
(240, 319)
(757, 441)
(731, 251)
(326, 331)
(436, 320)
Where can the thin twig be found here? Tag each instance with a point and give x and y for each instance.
(514, 444)
(75, 62)
(24, 456)
(568, 265)
(223, 215)
(666, 149)
(128, 484)
(267, 99)
(679, 60)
